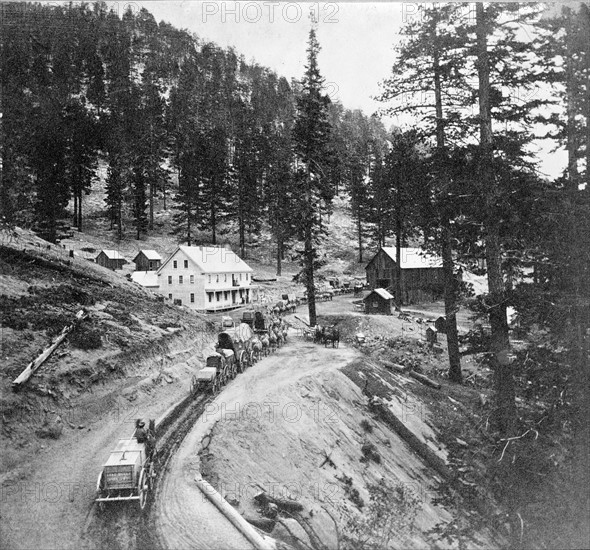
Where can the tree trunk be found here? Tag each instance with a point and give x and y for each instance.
(75, 219)
(309, 252)
(279, 250)
(310, 276)
(80, 210)
(398, 262)
(505, 415)
(360, 235)
(570, 92)
(450, 284)
(450, 306)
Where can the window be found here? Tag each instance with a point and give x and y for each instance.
(225, 278)
(174, 264)
(169, 279)
(226, 295)
(217, 278)
(240, 276)
(185, 264)
(218, 296)
(210, 296)
(192, 279)
(192, 298)
(180, 279)
(170, 296)
(209, 278)
(246, 276)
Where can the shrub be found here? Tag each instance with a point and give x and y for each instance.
(367, 426)
(85, 338)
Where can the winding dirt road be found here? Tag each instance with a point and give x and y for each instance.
(183, 517)
(49, 501)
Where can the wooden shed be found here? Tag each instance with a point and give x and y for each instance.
(111, 259)
(147, 260)
(422, 277)
(378, 301)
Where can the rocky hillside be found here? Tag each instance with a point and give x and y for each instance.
(42, 289)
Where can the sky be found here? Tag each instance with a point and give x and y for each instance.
(356, 38)
(357, 41)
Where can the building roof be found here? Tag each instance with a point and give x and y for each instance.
(112, 255)
(382, 292)
(145, 278)
(412, 258)
(212, 259)
(149, 254)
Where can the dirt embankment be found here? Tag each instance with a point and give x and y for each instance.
(132, 357)
(299, 428)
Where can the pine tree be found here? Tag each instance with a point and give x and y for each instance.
(311, 136)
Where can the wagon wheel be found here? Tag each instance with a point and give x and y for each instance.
(142, 488)
(243, 363)
(252, 358)
(215, 386)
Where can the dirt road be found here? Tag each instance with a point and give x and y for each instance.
(183, 516)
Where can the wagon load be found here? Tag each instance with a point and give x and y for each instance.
(128, 473)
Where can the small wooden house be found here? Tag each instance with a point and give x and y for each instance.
(111, 259)
(422, 277)
(378, 301)
(147, 260)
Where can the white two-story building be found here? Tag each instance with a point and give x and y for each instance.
(205, 278)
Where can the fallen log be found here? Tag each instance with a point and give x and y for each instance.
(302, 320)
(233, 516)
(266, 524)
(421, 449)
(265, 499)
(34, 365)
(425, 380)
(394, 366)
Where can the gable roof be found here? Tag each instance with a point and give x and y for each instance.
(212, 259)
(112, 255)
(145, 278)
(382, 292)
(149, 254)
(411, 258)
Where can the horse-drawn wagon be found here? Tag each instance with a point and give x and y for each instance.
(129, 472)
(220, 367)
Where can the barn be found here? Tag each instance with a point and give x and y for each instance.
(147, 260)
(378, 301)
(111, 259)
(422, 277)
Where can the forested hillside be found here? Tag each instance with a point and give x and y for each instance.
(169, 114)
(229, 146)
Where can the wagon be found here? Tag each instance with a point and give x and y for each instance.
(205, 379)
(129, 472)
(239, 341)
(248, 318)
(219, 369)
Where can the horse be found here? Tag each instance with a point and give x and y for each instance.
(331, 335)
(257, 347)
(265, 341)
(272, 339)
